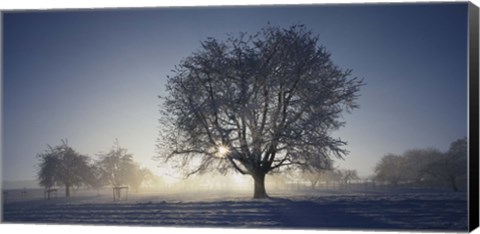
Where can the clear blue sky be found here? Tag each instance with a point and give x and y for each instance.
(93, 76)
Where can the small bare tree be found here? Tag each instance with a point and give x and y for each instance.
(117, 168)
(349, 175)
(256, 103)
(115, 165)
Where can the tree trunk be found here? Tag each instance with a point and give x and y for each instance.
(67, 190)
(259, 186)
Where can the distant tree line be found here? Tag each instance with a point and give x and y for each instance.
(63, 166)
(329, 175)
(426, 167)
(332, 176)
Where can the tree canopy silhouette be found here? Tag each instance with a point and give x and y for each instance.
(256, 103)
(63, 166)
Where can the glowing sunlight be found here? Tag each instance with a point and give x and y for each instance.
(222, 151)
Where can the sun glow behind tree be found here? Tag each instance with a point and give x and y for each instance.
(222, 151)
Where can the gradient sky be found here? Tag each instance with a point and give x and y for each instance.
(93, 76)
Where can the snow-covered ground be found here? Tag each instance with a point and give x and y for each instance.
(377, 209)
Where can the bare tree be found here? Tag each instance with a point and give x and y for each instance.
(415, 165)
(333, 176)
(256, 103)
(117, 168)
(137, 176)
(349, 175)
(390, 169)
(314, 176)
(63, 166)
(95, 179)
(150, 179)
(47, 174)
(115, 165)
(451, 167)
